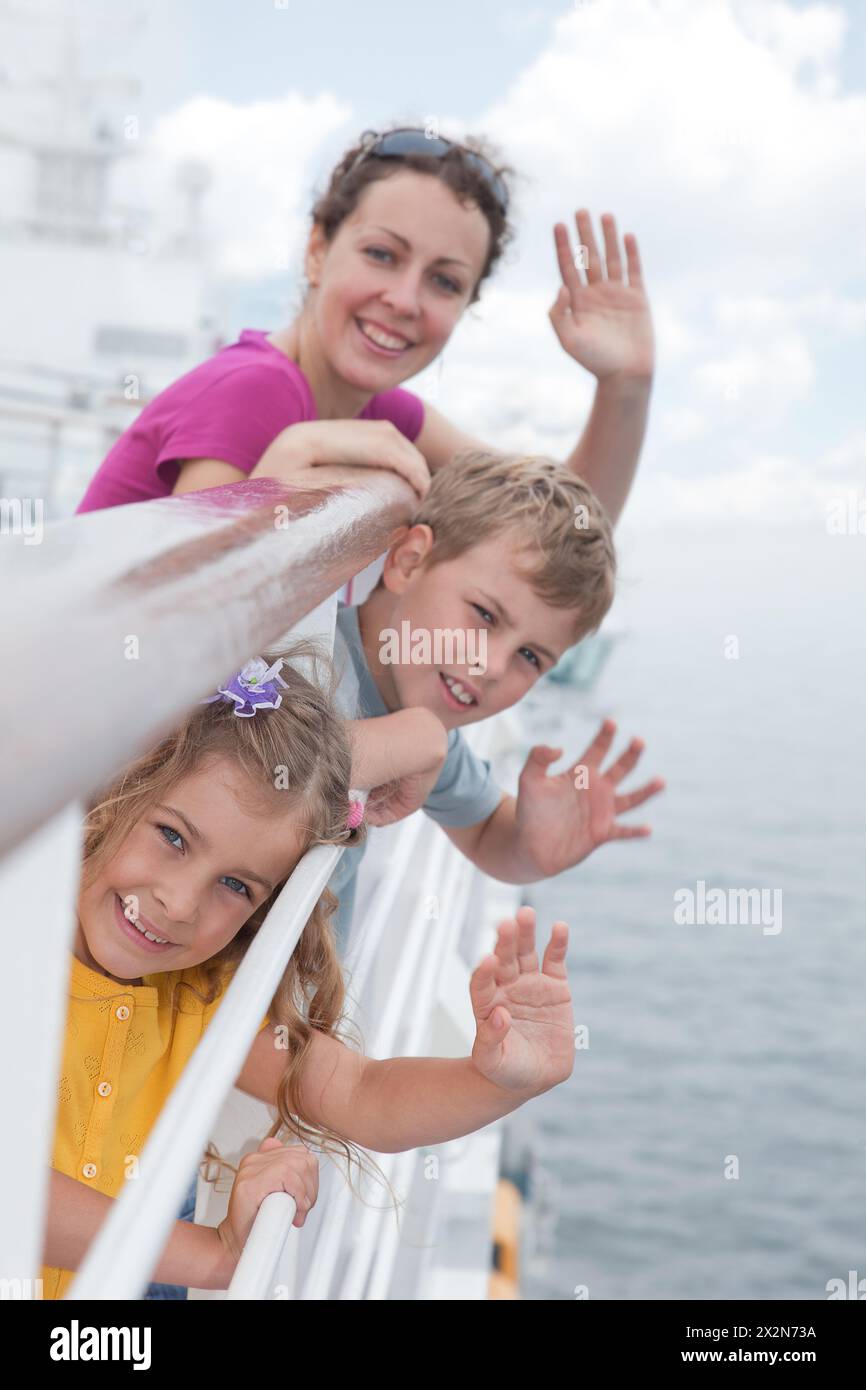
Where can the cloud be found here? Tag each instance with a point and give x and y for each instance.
(763, 381)
(259, 161)
(775, 489)
(720, 133)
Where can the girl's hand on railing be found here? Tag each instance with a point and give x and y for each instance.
(275, 1167)
(357, 443)
(525, 1027)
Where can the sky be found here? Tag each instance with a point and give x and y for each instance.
(729, 135)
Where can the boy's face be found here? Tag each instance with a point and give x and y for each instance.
(195, 892)
(482, 593)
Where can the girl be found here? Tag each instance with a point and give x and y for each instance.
(184, 855)
(401, 241)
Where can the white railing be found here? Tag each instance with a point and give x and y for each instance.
(212, 582)
(117, 622)
(187, 588)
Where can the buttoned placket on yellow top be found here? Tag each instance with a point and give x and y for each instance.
(124, 1049)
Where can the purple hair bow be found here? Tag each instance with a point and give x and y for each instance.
(253, 688)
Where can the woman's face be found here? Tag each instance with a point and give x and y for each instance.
(404, 265)
(190, 872)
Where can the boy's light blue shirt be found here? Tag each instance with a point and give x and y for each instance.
(465, 792)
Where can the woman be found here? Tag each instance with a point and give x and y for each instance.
(401, 242)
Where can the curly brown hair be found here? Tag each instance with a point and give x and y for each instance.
(298, 761)
(347, 183)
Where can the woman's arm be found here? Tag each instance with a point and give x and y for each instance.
(606, 455)
(198, 474)
(318, 454)
(194, 1255)
(439, 439)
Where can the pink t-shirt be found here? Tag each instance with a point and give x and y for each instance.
(230, 408)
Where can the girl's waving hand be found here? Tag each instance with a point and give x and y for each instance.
(525, 1027)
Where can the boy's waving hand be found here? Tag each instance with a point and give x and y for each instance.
(562, 819)
(555, 822)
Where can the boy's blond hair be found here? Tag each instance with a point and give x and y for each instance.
(558, 525)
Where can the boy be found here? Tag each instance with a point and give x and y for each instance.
(515, 553)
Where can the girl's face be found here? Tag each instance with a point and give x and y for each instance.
(190, 872)
(402, 267)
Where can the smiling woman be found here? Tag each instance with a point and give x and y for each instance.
(401, 241)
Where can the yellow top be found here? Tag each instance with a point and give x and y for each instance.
(123, 1051)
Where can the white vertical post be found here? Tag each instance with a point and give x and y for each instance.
(38, 895)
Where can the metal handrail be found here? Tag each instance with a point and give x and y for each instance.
(218, 576)
(256, 1268)
(222, 555)
(423, 952)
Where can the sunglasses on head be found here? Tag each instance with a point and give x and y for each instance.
(396, 144)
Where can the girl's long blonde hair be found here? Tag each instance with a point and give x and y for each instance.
(298, 761)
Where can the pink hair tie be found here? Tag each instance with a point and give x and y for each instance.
(355, 816)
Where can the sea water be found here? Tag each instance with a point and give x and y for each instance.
(711, 1142)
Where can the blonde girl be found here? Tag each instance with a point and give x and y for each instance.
(184, 855)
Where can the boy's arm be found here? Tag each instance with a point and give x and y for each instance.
(492, 844)
(524, 1045)
(392, 746)
(194, 1255)
(555, 821)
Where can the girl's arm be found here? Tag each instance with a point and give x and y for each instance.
(387, 1106)
(194, 1255)
(197, 1256)
(524, 1045)
(392, 746)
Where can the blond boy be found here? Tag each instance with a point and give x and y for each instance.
(515, 552)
